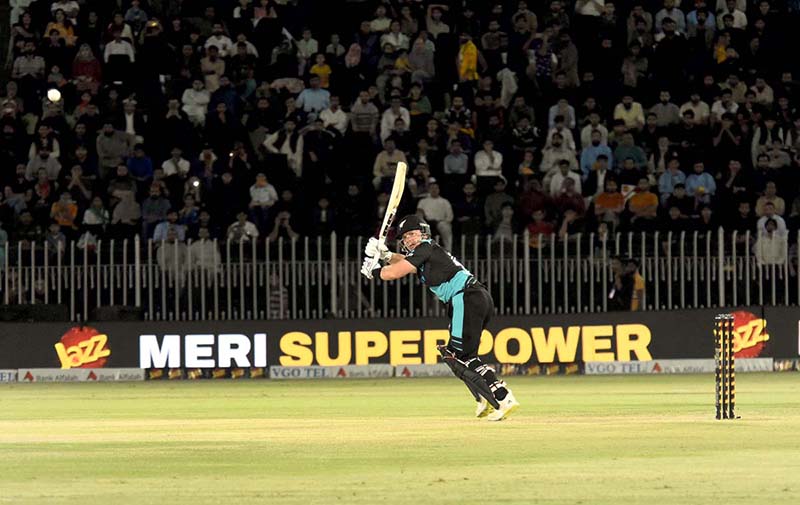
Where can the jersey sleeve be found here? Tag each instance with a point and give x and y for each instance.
(420, 255)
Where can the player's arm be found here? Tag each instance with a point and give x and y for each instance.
(397, 269)
(394, 258)
(399, 265)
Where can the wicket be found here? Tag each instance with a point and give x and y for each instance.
(725, 367)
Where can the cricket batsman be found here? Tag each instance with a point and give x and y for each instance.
(470, 308)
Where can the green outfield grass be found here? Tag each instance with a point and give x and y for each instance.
(576, 440)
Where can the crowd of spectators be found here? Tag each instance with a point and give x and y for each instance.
(282, 118)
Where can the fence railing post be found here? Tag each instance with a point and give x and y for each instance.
(565, 263)
(553, 273)
(604, 267)
(72, 309)
(32, 276)
(242, 281)
(786, 271)
(334, 278)
(112, 273)
(578, 277)
(307, 276)
(747, 268)
(644, 271)
(721, 265)
(656, 273)
(708, 270)
(514, 274)
(190, 271)
(591, 273)
(46, 276)
(7, 271)
(526, 253)
(736, 271)
(98, 274)
(346, 275)
(85, 284)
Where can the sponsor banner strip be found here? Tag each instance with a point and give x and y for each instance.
(786, 365)
(8, 376)
(437, 370)
(673, 366)
(80, 374)
(535, 343)
(331, 372)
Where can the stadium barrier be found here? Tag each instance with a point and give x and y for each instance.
(314, 278)
(516, 341)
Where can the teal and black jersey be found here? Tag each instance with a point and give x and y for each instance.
(439, 270)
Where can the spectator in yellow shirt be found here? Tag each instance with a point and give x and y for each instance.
(64, 28)
(323, 70)
(629, 111)
(770, 196)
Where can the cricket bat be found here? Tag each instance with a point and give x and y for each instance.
(391, 210)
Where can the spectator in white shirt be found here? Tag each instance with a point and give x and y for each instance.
(438, 213)
(589, 7)
(488, 162)
(725, 105)
(556, 152)
(171, 257)
(395, 37)
(334, 116)
(390, 116)
(242, 230)
(204, 253)
(770, 214)
(672, 12)
(335, 47)
(739, 17)
(222, 41)
(594, 125)
(700, 108)
(307, 47)
(564, 173)
(176, 164)
(771, 245)
(70, 8)
(563, 109)
(381, 22)
(721, 5)
(118, 46)
(561, 128)
(262, 197)
(115, 55)
(195, 102)
(251, 49)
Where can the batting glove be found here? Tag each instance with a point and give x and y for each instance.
(368, 267)
(377, 249)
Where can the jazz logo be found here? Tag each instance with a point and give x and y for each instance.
(750, 334)
(83, 347)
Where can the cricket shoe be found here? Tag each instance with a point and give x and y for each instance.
(483, 409)
(507, 405)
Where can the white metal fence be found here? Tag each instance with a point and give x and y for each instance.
(319, 277)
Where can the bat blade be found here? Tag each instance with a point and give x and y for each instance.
(398, 186)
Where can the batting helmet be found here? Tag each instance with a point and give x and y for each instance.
(413, 222)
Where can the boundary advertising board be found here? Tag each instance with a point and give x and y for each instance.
(509, 340)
